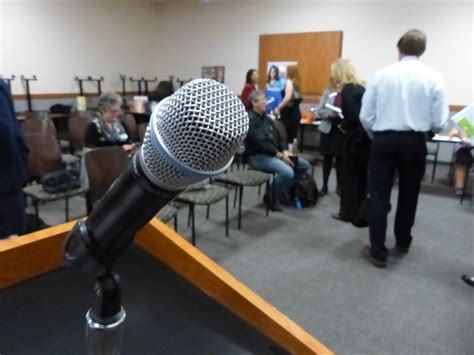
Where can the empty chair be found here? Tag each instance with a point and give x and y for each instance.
(128, 121)
(77, 129)
(141, 131)
(242, 178)
(204, 195)
(42, 124)
(45, 157)
(104, 165)
(433, 150)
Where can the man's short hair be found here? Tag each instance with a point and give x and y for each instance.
(254, 96)
(413, 42)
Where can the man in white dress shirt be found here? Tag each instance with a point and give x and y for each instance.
(405, 102)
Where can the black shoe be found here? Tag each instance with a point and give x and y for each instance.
(339, 217)
(468, 279)
(367, 254)
(324, 191)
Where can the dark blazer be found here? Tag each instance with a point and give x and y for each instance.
(262, 136)
(13, 150)
(351, 104)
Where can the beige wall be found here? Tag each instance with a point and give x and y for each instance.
(57, 40)
(227, 34)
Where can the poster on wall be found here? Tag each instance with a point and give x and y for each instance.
(216, 72)
(275, 83)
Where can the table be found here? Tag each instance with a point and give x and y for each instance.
(47, 315)
(302, 129)
(445, 139)
(178, 301)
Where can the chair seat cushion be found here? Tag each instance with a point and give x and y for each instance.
(206, 196)
(167, 213)
(36, 191)
(244, 177)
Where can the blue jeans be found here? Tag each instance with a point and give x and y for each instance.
(286, 175)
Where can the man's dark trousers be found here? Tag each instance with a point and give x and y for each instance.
(404, 152)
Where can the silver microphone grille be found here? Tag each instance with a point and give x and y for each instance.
(193, 134)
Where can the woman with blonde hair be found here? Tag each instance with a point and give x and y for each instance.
(356, 146)
(289, 107)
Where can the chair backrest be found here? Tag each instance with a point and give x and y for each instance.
(44, 156)
(131, 126)
(38, 125)
(77, 127)
(103, 166)
(278, 124)
(141, 131)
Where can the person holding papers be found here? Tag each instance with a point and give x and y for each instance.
(332, 139)
(403, 104)
(355, 149)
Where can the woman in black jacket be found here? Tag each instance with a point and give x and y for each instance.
(356, 148)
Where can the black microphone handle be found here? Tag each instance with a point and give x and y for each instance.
(130, 203)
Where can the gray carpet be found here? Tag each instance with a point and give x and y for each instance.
(309, 267)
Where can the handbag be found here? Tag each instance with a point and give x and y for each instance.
(60, 181)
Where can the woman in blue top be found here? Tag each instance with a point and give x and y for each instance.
(273, 88)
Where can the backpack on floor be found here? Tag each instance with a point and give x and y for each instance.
(305, 192)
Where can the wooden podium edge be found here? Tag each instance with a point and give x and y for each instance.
(37, 253)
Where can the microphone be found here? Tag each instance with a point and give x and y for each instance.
(192, 135)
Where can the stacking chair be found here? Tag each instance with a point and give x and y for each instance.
(45, 157)
(78, 124)
(240, 179)
(205, 195)
(128, 121)
(42, 124)
(103, 166)
(141, 131)
(433, 150)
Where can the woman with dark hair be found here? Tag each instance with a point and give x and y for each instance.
(273, 88)
(289, 107)
(251, 81)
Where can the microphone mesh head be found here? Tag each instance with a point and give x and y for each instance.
(193, 134)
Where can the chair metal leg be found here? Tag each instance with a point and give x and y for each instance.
(176, 222)
(267, 189)
(466, 179)
(35, 203)
(435, 162)
(227, 216)
(208, 210)
(235, 195)
(193, 232)
(241, 192)
(189, 216)
(67, 208)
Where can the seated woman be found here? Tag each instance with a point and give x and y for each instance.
(462, 161)
(106, 129)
